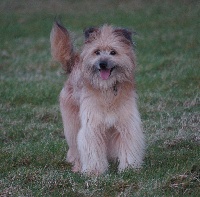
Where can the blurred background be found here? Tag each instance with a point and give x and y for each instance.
(32, 146)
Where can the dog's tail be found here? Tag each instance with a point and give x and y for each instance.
(62, 47)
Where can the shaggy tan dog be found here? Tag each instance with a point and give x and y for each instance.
(98, 102)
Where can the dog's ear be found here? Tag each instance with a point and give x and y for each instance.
(61, 45)
(125, 33)
(90, 33)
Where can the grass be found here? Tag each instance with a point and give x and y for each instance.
(32, 146)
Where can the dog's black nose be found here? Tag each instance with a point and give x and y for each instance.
(103, 65)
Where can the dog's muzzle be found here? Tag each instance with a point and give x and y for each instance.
(105, 69)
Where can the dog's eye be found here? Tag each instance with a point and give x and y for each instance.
(97, 52)
(113, 52)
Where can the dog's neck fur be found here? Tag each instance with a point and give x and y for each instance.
(112, 94)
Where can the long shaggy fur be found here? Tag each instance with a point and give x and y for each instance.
(98, 101)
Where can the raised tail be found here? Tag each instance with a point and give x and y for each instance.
(62, 47)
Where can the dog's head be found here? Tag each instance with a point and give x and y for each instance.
(108, 56)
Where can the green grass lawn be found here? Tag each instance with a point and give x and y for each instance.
(32, 145)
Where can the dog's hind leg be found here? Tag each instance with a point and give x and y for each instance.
(71, 122)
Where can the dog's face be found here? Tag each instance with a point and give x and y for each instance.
(107, 56)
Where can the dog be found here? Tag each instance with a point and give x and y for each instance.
(98, 102)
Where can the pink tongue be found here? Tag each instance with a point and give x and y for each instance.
(105, 74)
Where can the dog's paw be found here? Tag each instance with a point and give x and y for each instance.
(92, 173)
(72, 155)
(125, 166)
(76, 167)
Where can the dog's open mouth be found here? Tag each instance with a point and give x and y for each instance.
(105, 73)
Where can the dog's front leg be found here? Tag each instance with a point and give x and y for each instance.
(130, 144)
(91, 144)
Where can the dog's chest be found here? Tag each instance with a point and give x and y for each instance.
(109, 107)
(110, 119)
(103, 107)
